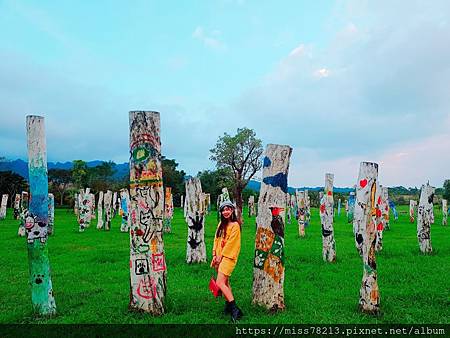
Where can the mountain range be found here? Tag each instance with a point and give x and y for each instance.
(21, 167)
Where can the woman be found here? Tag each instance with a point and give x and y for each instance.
(227, 245)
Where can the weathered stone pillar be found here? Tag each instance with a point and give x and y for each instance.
(301, 210)
(268, 271)
(308, 209)
(23, 213)
(224, 196)
(76, 205)
(114, 205)
(85, 209)
(51, 213)
(3, 206)
(17, 206)
(444, 212)
(385, 210)
(196, 249)
(379, 217)
(339, 207)
(100, 210)
(364, 226)
(251, 206)
(182, 202)
(36, 221)
(107, 203)
(168, 210)
(394, 210)
(351, 207)
(412, 206)
(288, 208)
(208, 203)
(326, 218)
(424, 218)
(125, 206)
(147, 261)
(92, 204)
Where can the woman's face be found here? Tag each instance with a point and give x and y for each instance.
(226, 212)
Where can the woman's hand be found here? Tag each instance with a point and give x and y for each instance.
(213, 262)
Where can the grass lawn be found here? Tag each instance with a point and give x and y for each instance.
(90, 274)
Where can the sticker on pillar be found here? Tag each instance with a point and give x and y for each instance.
(141, 266)
(158, 262)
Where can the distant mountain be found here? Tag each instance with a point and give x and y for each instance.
(21, 167)
(256, 185)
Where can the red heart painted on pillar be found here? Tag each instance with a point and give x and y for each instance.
(363, 183)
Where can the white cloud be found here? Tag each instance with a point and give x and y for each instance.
(387, 78)
(322, 72)
(210, 40)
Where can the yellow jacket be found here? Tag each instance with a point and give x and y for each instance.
(230, 245)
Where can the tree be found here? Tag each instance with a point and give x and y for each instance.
(214, 180)
(447, 190)
(12, 184)
(60, 180)
(242, 154)
(100, 177)
(80, 173)
(172, 177)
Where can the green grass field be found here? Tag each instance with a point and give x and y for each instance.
(90, 273)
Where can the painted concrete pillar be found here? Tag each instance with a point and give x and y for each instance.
(148, 273)
(412, 212)
(394, 210)
(76, 205)
(385, 210)
(424, 218)
(85, 209)
(100, 210)
(107, 204)
(125, 210)
(17, 206)
(114, 205)
(168, 210)
(51, 213)
(351, 207)
(92, 204)
(251, 206)
(301, 210)
(36, 221)
(364, 226)
(23, 213)
(379, 217)
(196, 249)
(444, 212)
(269, 261)
(3, 206)
(326, 218)
(308, 209)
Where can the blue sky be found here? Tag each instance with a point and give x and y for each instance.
(339, 81)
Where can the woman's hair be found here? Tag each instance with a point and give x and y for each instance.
(224, 223)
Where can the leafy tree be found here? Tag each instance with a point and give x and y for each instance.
(80, 173)
(60, 180)
(174, 178)
(214, 180)
(446, 194)
(242, 154)
(100, 177)
(12, 184)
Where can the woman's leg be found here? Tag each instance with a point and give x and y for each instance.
(223, 283)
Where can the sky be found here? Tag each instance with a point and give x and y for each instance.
(339, 81)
